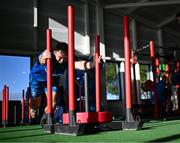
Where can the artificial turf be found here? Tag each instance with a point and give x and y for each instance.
(152, 131)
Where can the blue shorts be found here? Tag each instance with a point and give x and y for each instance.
(39, 89)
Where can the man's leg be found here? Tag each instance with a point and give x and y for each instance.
(34, 106)
(54, 102)
(37, 91)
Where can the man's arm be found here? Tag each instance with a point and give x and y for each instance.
(84, 65)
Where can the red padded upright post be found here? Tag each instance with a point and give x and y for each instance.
(3, 107)
(22, 118)
(28, 100)
(49, 77)
(71, 76)
(167, 70)
(177, 66)
(97, 72)
(127, 69)
(7, 103)
(157, 67)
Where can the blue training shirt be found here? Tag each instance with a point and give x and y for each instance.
(38, 72)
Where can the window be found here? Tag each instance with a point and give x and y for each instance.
(14, 72)
(145, 74)
(112, 81)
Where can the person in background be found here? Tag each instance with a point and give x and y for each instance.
(163, 92)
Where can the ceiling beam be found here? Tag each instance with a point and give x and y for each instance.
(133, 9)
(167, 21)
(140, 19)
(154, 25)
(140, 4)
(146, 22)
(92, 2)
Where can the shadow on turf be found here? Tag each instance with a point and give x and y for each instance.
(167, 139)
(146, 128)
(160, 124)
(18, 137)
(17, 130)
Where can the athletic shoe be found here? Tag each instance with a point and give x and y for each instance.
(43, 119)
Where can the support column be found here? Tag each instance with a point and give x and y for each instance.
(86, 91)
(122, 78)
(134, 75)
(100, 27)
(134, 47)
(86, 27)
(160, 44)
(134, 34)
(100, 32)
(160, 38)
(127, 70)
(137, 69)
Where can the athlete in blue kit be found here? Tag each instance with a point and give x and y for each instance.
(38, 75)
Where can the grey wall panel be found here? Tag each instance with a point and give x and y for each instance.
(92, 27)
(170, 41)
(145, 34)
(16, 25)
(113, 34)
(56, 11)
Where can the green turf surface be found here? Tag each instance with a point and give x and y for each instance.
(153, 131)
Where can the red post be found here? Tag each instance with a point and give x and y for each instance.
(97, 72)
(178, 85)
(177, 66)
(152, 50)
(133, 57)
(28, 100)
(49, 77)
(158, 72)
(167, 70)
(152, 55)
(4, 105)
(127, 70)
(3, 109)
(71, 76)
(22, 106)
(7, 103)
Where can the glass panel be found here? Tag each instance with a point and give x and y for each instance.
(112, 81)
(145, 75)
(14, 73)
